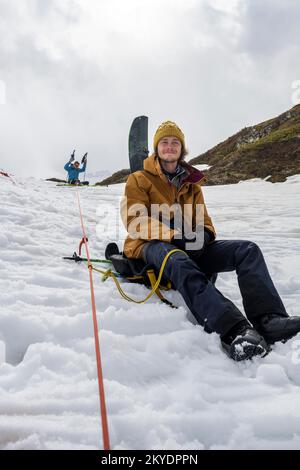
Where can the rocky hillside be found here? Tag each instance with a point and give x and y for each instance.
(118, 177)
(269, 150)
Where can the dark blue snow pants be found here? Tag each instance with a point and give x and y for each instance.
(209, 307)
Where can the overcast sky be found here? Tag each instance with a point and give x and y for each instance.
(76, 72)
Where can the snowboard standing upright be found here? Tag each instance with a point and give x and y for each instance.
(138, 143)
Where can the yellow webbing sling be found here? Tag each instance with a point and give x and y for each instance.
(152, 278)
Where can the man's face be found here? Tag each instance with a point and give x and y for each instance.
(169, 149)
(76, 164)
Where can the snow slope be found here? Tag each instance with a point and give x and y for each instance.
(168, 384)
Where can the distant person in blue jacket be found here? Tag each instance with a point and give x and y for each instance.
(73, 169)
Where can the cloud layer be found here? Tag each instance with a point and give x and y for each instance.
(77, 73)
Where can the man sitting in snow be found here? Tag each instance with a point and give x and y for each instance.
(73, 169)
(167, 179)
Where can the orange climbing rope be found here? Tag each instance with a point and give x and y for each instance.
(105, 432)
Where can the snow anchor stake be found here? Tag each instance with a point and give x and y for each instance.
(82, 242)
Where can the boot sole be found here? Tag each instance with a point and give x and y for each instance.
(248, 351)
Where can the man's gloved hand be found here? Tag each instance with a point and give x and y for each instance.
(194, 254)
(72, 158)
(181, 242)
(84, 158)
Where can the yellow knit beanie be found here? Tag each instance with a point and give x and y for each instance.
(166, 129)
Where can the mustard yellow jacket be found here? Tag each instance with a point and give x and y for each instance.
(151, 186)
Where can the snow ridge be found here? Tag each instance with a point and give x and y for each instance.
(168, 384)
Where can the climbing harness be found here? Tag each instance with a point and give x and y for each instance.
(133, 270)
(146, 276)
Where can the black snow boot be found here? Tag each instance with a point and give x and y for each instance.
(275, 327)
(243, 342)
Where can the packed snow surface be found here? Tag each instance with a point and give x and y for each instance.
(168, 384)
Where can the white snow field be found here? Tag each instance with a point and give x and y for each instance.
(168, 384)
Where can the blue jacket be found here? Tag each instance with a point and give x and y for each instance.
(73, 173)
